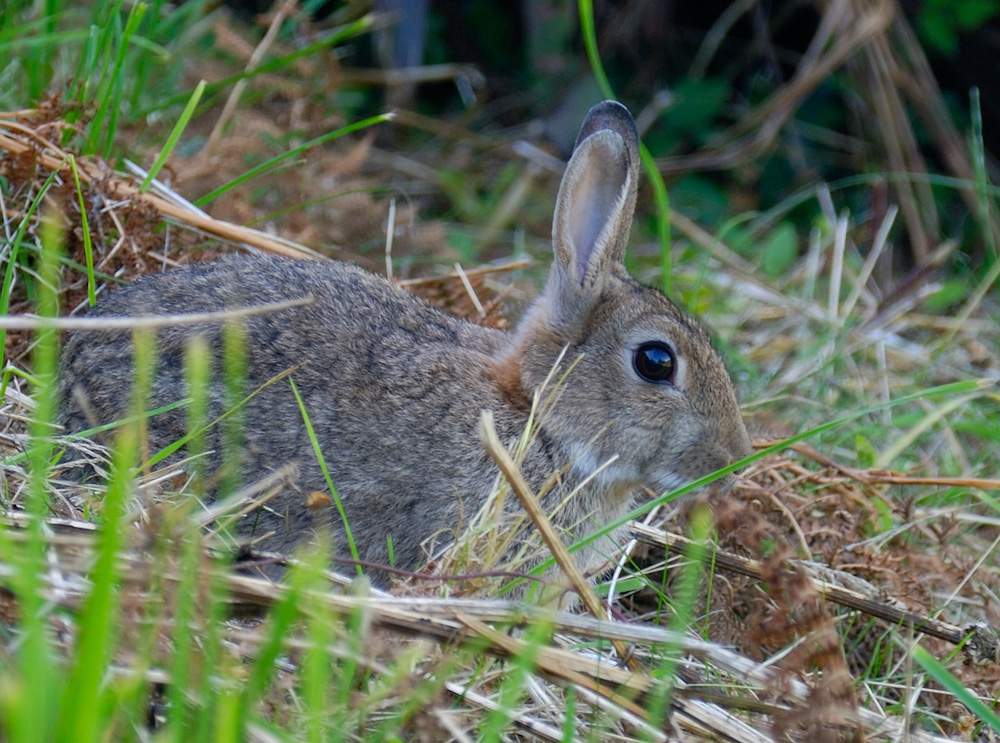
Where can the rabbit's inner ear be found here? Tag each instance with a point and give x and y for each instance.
(591, 204)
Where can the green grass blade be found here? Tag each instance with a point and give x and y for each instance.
(174, 137)
(46, 361)
(514, 684)
(986, 223)
(12, 258)
(341, 34)
(683, 600)
(204, 685)
(108, 23)
(42, 65)
(37, 683)
(197, 370)
(182, 658)
(904, 441)
(766, 219)
(102, 130)
(88, 249)
(317, 665)
(279, 627)
(231, 411)
(326, 474)
(586, 9)
(79, 719)
(295, 151)
(145, 49)
(662, 216)
(953, 388)
(229, 715)
(26, 44)
(977, 149)
(952, 684)
(97, 51)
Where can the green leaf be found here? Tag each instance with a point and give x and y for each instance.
(971, 14)
(864, 451)
(952, 292)
(780, 250)
(938, 32)
(699, 102)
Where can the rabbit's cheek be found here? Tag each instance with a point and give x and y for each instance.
(610, 471)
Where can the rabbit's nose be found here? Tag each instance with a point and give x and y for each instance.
(717, 449)
(740, 445)
(708, 456)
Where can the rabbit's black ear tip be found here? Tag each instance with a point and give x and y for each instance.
(609, 115)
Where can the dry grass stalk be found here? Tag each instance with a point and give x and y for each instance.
(71, 544)
(530, 503)
(981, 644)
(19, 138)
(757, 130)
(462, 621)
(873, 42)
(147, 322)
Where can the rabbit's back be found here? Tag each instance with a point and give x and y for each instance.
(380, 373)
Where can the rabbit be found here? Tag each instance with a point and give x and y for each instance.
(394, 388)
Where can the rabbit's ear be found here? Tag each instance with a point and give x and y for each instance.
(596, 200)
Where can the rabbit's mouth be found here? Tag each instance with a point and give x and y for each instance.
(615, 473)
(667, 482)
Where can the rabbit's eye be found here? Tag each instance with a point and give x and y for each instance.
(654, 362)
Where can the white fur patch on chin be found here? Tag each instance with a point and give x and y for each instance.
(611, 473)
(669, 481)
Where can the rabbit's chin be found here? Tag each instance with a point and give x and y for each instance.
(666, 482)
(615, 474)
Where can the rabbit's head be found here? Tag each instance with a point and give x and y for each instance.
(646, 396)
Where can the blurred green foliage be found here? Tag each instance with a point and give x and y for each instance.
(940, 22)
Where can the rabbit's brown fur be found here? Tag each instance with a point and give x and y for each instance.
(394, 388)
